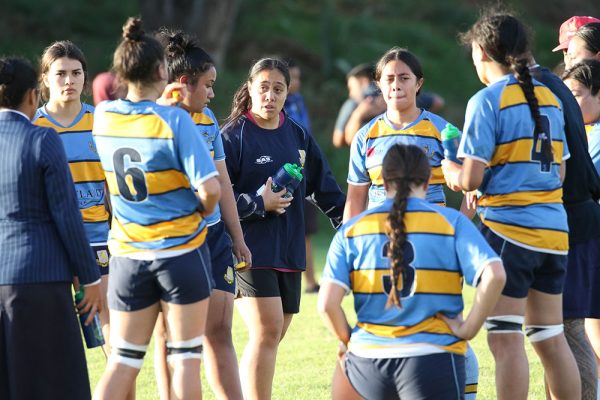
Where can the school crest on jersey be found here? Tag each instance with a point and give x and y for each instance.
(102, 258)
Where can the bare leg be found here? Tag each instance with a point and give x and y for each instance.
(592, 329)
(265, 321)
(103, 315)
(136, 328)
(309, 274)
(561, 373)
(221, 363)
(584, 357)
(185, 322)
(161, 368)
(508, 349)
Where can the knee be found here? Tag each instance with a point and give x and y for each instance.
(268, 334)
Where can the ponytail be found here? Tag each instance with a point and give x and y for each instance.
(404, 168)
(240, 104)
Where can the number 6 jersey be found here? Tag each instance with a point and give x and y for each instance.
(152, 157)
(521, 198)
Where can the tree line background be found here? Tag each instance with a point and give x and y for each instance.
(326, 37)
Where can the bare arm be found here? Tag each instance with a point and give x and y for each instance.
(338, 138)
(329, 306)
(563, 170)
(466, 177)
(230, 215)
(356, 200)
(488, 292)
(209, 193)
(367, 109)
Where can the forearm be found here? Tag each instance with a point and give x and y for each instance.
(335, 320)
(356, 200)
(487, 295)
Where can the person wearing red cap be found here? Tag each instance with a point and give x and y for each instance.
(568, 30)
(585, 45)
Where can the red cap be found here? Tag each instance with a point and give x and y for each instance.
(568, 29)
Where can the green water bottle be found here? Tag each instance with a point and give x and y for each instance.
(92, 333)
(450, 142)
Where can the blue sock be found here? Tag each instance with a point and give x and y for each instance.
(472, 374)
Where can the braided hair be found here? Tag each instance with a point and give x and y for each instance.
(506, 41)
(404, 168)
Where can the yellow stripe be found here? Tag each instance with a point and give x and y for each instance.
(538, 237)
(131, 232)
(376, 177)
(520, 151)
(428, 281)
(94, 214)
(86, 171)
(513, 95)
(201, 118)
(120, 248)
(132, 126)
(471, 389)
(430, 325)
(84, 124)
(414, 221)
(156, 182)
(424, 128)
(521, 198)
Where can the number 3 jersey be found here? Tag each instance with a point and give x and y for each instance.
(521, 197)
(153, 158)
(443, 248)
(85, 167)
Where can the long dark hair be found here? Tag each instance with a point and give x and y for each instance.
(586, 72)
(63, 48)
(138, 55)
(17, 76)
(590, 34)
(184, 55)
(401, 54)
(506, 41)
(241, 99)
(404, 167)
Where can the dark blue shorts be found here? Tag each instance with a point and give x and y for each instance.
(432, 377)
(137, 284)
(221, 259)
(581, 297)
(102, 258)
(527, 269)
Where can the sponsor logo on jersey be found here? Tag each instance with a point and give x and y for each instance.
(264, 160)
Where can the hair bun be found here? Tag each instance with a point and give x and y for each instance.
(132, 30)
(176, 45)
(7, 72)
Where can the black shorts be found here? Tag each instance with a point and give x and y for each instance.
(272, 283)
(527, 269)
(102, 258)
(41, 352)
(221, 259)
(432, 377)
(137, 284)
(581, 297)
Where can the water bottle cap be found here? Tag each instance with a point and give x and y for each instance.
(79, 294)
(294, 171)
(450, 132)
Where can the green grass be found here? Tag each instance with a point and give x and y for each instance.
(307, 354)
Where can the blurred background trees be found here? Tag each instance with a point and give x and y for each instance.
(326, 37)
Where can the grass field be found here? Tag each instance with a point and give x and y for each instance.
(307, 355)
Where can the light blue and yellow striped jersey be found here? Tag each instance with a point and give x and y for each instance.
(208, 127)
(153, 158)
(521, 199)
(443, 248)
(85, 167)
(593, 136)
(372, 142)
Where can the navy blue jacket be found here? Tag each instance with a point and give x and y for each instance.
(581, 188)
(42, 238)
(254, 154)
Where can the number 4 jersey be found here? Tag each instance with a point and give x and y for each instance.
(153, 158)
(521, 198)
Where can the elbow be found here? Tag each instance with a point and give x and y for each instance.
(325, 306)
